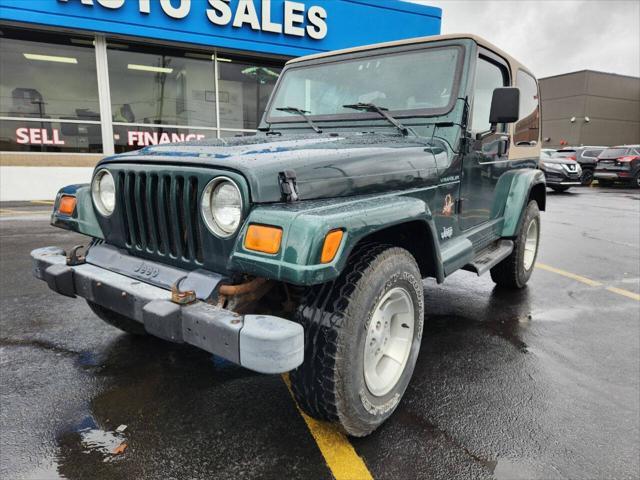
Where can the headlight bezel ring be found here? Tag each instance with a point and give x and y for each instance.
(207, 207)
(96, 190)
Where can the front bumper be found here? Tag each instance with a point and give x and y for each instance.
(559, 178)
(621, 175)
(262, 343)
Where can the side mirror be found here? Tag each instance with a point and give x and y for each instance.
(505, 105)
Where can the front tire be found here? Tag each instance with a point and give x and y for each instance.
(362, 338)
(515, 270)
(117, 320)
(587, 177)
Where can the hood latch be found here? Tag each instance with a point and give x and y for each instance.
(288, 185)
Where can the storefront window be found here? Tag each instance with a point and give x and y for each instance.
(50, 136)
(49, 100)
(162, 88)
(50, 79)
(245, 88)
(134, 137)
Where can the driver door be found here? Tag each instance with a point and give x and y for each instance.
(487, 159)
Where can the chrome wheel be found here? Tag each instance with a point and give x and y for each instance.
(388, 342)
(530, 245)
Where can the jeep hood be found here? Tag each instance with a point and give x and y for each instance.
(325, 165)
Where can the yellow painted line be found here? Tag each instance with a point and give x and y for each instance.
(15, 213)
(342, 459)
(43, 202)
(564, 273)
(588, 281)
(624, 293)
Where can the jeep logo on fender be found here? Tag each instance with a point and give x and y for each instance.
(147, 270)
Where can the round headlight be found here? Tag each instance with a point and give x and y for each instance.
(103, 191)
(222, 206)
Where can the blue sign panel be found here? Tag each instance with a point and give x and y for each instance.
(284, 27)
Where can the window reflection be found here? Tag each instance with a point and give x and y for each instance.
(526, 130)
(245, 88)
(163, 88)
(46, 76)
(50, 136)
(127, 138)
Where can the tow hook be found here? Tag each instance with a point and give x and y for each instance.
(74, 258)
(182, 297)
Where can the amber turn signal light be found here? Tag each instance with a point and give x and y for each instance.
(262, 238)
(331, 244)
(67, 205)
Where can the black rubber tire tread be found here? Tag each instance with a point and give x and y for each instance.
(587, 177)
(313, 382)
(117, 320)
(510, 273)
(324, 312)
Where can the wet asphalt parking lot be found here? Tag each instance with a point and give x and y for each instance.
(541, 383)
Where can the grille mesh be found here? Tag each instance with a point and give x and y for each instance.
(160, 214)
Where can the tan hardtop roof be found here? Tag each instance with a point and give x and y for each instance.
(413, 41)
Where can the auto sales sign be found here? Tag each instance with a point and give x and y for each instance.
(296, 19)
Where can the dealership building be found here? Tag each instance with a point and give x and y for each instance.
(80, 79)
(590, 108)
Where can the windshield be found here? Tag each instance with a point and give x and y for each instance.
(415, 82)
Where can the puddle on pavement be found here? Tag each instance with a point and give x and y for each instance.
(88, 438)
(94, 439)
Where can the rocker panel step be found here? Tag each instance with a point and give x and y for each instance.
(489, 257)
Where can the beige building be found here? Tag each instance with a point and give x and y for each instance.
(590, 108)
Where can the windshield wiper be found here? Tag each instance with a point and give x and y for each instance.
(372, 107)
(303, 114)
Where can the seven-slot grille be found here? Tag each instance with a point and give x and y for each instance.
(160, 214)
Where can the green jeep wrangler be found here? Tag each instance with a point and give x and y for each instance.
(303, 248)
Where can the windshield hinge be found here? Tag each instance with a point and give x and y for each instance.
(288, 185)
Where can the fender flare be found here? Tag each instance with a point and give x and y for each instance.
(513, 192)
(84, 218)
(305, 226)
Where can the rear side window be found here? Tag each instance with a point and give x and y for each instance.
(591, 153)
(614, 153)
(527, 128)
(565, 154)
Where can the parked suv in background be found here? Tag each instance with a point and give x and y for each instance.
(560, 172)
(587, 157)
(619, 164)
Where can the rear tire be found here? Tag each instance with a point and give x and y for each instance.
(375, 308)
(515, 270)
(117, 320)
